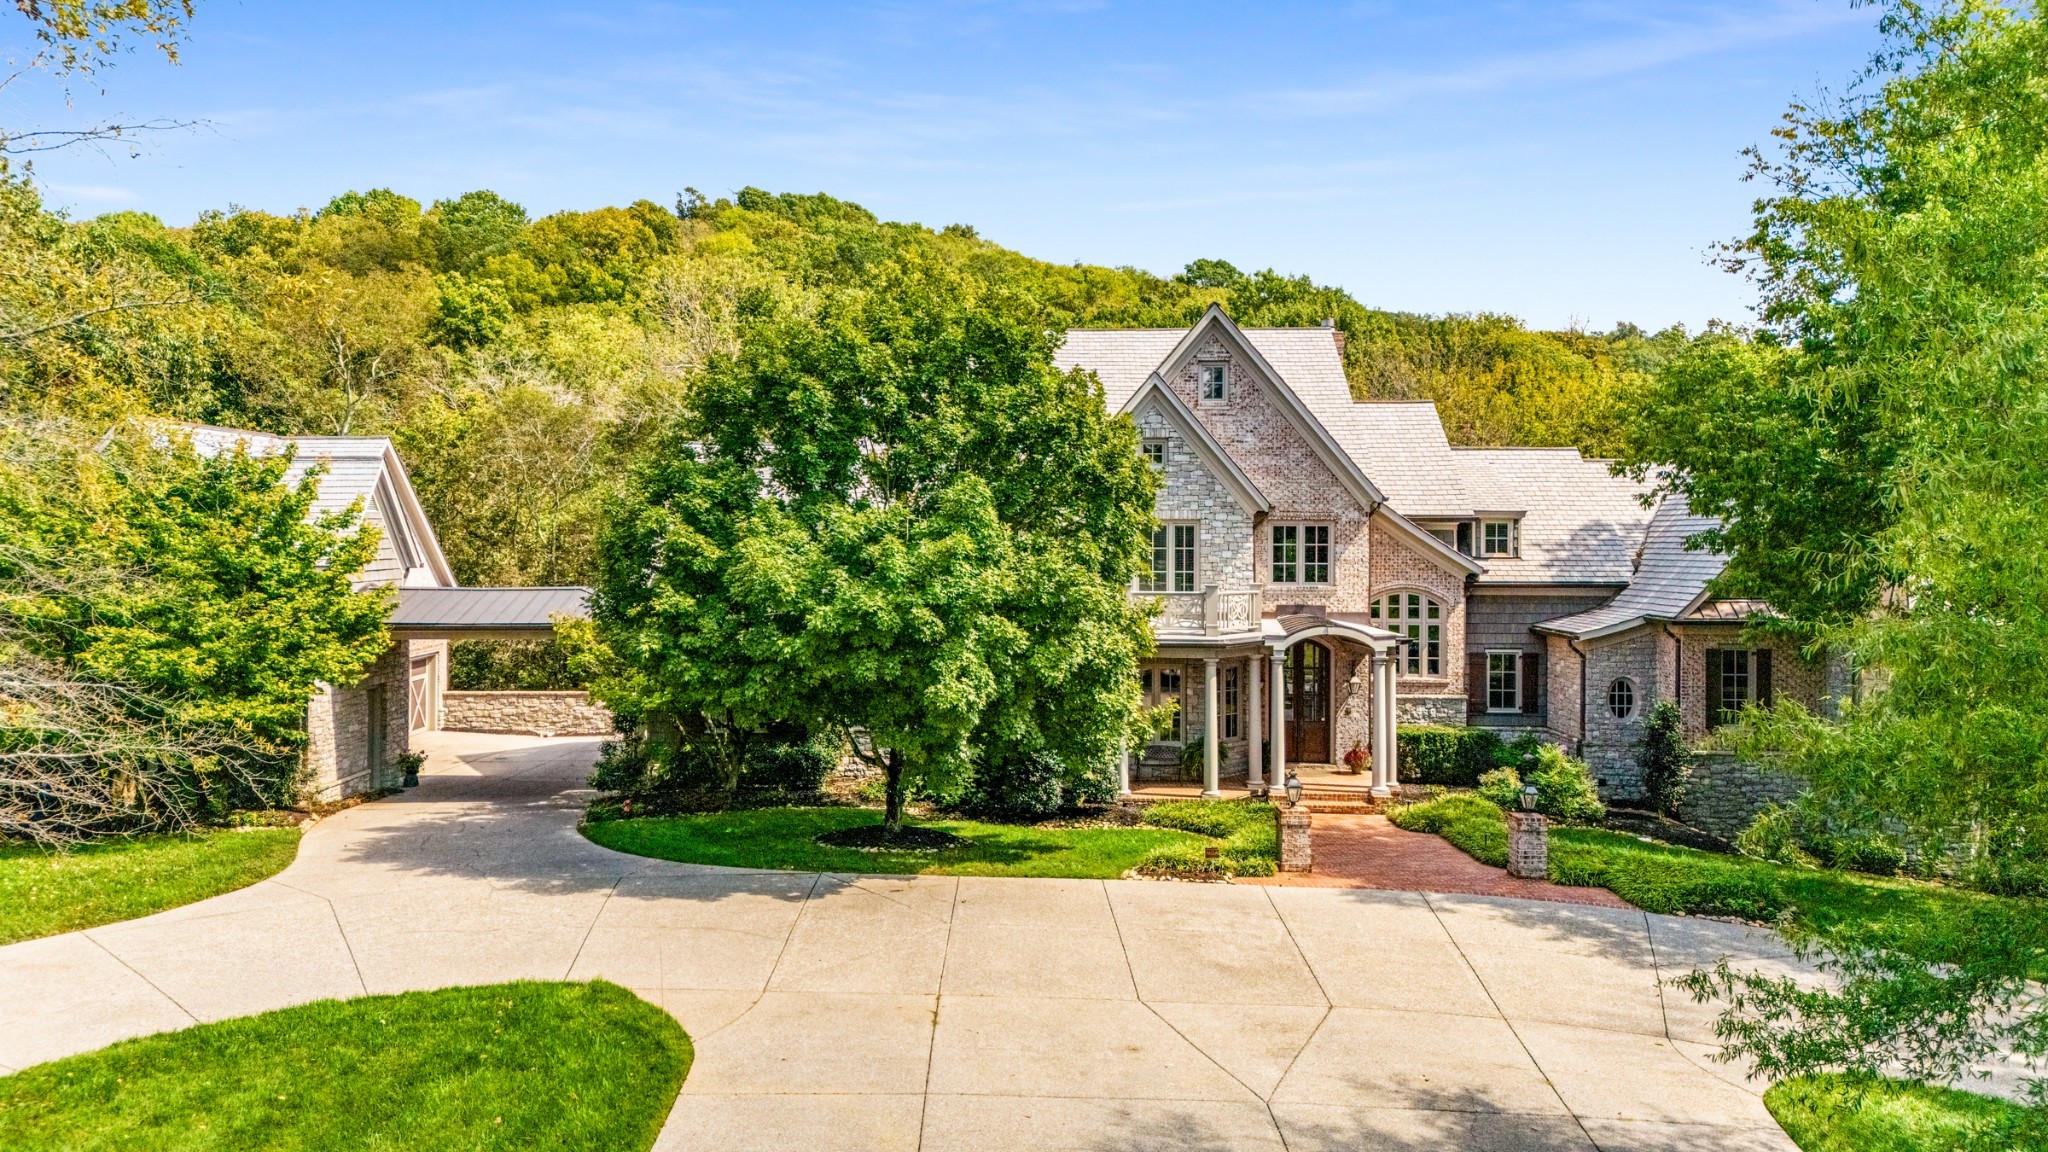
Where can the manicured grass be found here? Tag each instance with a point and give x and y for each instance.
(43, 893)
(1837, 1114)
(784, 838)
(1251, 839)
(1668, 879)
(505, 1066)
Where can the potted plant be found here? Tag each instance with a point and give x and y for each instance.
(1356, 759)
(410, 765)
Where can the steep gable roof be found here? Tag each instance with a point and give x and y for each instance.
(1154, 394)
(365, 468)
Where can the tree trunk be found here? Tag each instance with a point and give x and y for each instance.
(892, 804)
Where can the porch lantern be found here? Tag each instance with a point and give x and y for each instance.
(1528, 797)
(1293, 789)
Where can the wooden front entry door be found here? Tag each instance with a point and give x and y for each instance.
(1308, 703)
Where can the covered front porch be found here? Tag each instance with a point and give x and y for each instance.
(1325, 686)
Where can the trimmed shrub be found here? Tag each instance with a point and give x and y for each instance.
(1665, 759)
(1564, 788)
(1251, 838)
(790, 769)
(1795, 835)
(1430, 754)
(1015, 786)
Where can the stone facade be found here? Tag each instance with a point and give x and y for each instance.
(344, 755)
(526, 713)
(1725, 793)
(1188, 491)
(1793, 677)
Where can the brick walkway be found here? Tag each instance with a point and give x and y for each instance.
(1369, 852)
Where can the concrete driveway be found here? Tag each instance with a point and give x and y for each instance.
(838, 1012)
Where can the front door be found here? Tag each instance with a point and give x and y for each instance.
(1308, 703)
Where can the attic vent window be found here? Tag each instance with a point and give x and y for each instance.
(1214, 381)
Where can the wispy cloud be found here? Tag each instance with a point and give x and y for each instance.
(94, 193)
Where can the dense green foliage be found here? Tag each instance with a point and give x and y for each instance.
(502, 1066)
(888, 513)
(1456, 757)
(44, 892)
(1877, 455)
(787, 838)
(1247, 828)
(1664, 757)
(1564, 788)
(1844, 1114)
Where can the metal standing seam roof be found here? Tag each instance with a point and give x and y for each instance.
(487, 609)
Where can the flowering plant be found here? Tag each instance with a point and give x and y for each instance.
(1356, 758)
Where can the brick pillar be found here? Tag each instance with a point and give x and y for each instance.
(1529, 845)
(1294, 838)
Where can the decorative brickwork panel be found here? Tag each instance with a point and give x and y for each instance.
(1528, 845)
(526, 713)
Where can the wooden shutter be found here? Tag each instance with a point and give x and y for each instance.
(1760, 667)
(1713, 687)
(1532, 683)
(1475, 685)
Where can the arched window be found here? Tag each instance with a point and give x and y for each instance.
(1621, 698)
(1421, 620)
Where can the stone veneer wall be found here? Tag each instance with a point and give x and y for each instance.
(1187, 491)
(525, 713)
(336, 762)
(1727, 793)
(1793, 677)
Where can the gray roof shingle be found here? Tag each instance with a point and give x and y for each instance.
(1580, 523)
(1667, 582)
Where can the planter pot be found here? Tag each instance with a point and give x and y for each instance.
(412, 780)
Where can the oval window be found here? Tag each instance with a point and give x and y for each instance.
(1621, 699)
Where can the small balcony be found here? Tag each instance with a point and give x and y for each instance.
(1211, 612)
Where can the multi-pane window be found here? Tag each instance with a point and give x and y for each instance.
(1737, 684)
(1497, 538)
(1621, 698)
(1162, 688)
(1214, 381)
(1421, 620)
(1301, 554)
(1503, 681)
(1230, 703)
(1173, 560)
(1155, 453)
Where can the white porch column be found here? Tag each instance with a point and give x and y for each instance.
(1123, 768)
(1383, 769)
(1276, 710)
(1255, 675)
(1212, 755)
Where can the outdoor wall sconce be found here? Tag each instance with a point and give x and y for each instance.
(1293, 789)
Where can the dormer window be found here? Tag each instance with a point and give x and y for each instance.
(1499, 538)
(1215, 381)
(1155, 453)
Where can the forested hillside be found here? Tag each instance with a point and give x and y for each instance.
(519, 363)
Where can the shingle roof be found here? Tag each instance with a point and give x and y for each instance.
(1669, 580)
(1580, 523)
(486, 609)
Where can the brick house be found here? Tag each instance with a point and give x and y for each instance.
(356, 732)
(1327, 568)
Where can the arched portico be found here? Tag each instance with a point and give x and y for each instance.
(1281, 636)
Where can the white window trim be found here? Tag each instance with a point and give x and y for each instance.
(1400, 624)
(1635, 697)
(1516, 655)
(1165, 451)
(1202, 383)
(1194, 561)
(1300, 554)
(1514, 540)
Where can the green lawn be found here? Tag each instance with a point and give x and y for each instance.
(505, 1066)
(1834, 1114)
(1668, 879)
(43, 893)
(784, 838)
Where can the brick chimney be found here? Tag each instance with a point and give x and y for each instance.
(1330, 322)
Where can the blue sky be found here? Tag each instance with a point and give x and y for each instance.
(1564, 162)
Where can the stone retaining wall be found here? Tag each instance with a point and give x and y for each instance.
(525, 713)
(1726, 794)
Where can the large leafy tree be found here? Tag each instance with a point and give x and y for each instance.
(889, 513)
(201, 586)
(1877, 455)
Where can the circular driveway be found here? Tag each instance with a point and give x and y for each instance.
(936, 1012)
